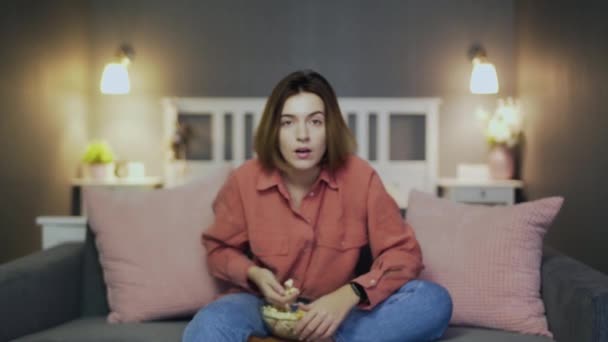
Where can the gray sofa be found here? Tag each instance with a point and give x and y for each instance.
(59, 295)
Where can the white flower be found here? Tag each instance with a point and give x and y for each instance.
(505, 125)
(498, 130)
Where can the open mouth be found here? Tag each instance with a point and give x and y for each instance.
(303, 153)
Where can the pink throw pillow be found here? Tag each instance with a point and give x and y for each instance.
(150, 250)
(488, 258)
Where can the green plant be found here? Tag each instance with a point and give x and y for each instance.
(98, 152)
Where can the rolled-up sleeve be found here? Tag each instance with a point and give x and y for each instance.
(395, 250)
(226, 240)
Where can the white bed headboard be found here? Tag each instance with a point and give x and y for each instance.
(399, 136)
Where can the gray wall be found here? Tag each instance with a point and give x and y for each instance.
(43, 109)
(562, 79)
(218, 48)
(242, 48)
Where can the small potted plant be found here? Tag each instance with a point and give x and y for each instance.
(99, 161)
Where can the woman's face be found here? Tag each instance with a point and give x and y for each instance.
(302, 133)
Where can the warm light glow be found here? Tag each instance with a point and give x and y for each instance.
(505, 126)
(483, 78)
(115, 79)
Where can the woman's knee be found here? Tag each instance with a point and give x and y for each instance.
(209, 317)
(433, 311)
(428, 288)
(430, 295)
(442, 299)
(438, 298)
(238, 310)
(437, 295)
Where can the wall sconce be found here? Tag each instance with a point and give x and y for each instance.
(483, 77)
(115, 77)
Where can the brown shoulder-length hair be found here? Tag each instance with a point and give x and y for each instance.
(339, 139)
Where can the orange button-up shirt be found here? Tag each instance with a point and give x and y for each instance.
(318, 244)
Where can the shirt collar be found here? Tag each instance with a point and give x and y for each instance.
(268, 179)
(328, 178)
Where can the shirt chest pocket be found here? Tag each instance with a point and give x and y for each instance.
(269, 244)
(267, 235)
(344, 234)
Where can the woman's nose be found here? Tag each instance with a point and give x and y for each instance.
(302, 133)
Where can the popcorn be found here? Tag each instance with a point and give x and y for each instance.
(282, 321)
(272, 312)
(289, 289)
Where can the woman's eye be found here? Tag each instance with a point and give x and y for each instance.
(286, 123)
(317, 122)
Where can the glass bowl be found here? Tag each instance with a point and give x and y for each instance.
(282, 323)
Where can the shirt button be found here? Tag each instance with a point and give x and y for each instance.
(373, 281)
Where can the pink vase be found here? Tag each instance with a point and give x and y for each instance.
(100, 172)
(501, 162)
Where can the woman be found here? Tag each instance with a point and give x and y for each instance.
(302, 210)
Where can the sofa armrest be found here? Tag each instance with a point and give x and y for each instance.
(575, 298)
(40, 290)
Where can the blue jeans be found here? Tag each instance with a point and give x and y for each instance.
(418, 311)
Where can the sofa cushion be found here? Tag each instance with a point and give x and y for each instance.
(488, 258)
(94, 300)
(472, 334)
(576, 298)
(150, 250)
(96, 329)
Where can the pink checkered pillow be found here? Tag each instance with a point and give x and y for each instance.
(150, 249)
(488, 258)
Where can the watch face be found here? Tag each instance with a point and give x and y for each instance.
(355, 289)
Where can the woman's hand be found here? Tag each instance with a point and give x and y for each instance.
(325, 315)
(271, 289)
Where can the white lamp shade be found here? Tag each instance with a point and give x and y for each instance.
(483, 78)
(115, 79)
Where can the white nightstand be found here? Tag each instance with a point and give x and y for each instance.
(60, 229)
(490, 192)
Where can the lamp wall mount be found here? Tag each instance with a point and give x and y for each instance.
(477, 51)
(125, 53)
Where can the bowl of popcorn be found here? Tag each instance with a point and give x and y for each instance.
(282, 322)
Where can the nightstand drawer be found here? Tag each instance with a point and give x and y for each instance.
(481, 195)
(492, 192)
(60, 229)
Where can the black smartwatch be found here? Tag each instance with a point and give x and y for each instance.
(359, 291)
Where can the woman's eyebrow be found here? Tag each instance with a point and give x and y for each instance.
(311, 114)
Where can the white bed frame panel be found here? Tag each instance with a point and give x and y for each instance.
(399, 177)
